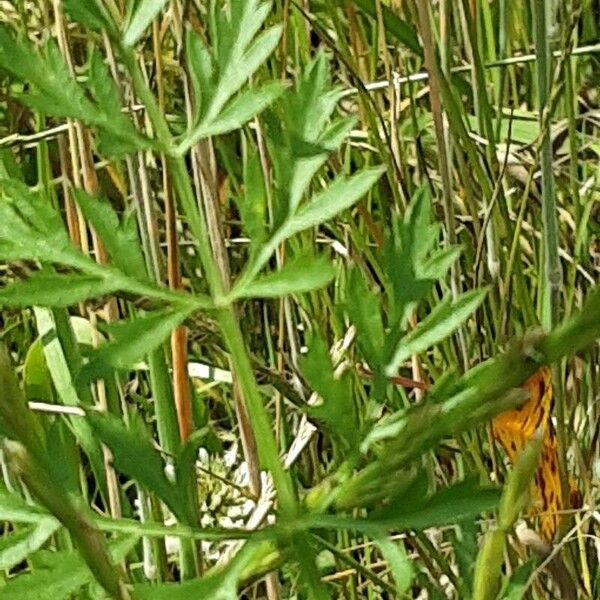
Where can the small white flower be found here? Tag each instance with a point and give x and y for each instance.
(248, 507)
(206, 520)
(230, 457)
(215, 501)
(170, 472)
(172, 544)
(227, 523)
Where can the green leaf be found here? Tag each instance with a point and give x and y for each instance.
(461, 501)
(393, 25)
(236, 114)
(522, 131)
(252, 206)
(238, 71)
(517, 584)
(305, 167)
(339, 196)
(16, 547)
(14, 509)
(301, 174)
(337, 411)
(413, 260)
(10, 167)
(437, 266)
(457, 502)
(119, 238)
(200, 66)
(308, 108)
(302, 274)
(423, 233)
(55, 357)
(466, 548)
(62, 575)
(55, 290)
(134, 456)
(54, 91)
(31, 229)
(210, 586)
(217, 74)
(342, 194)
(221, 584)
(144, 14)
(66, 455)
(117, 133)
(363, 306)
(301, 135)
(438, 325)
(59, 575)
(132, 340)
(36, 376)
(90, 13)
(398, 561)
(233, 30)
(62, 378)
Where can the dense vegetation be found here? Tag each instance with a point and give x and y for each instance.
(269, 272)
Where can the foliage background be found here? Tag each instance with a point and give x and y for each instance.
(294, 203)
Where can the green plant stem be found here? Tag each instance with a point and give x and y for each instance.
(553, 274)
(552, 267)
(481, 394)
(347, 559)
(28, 455)
(267, 445)
(166, 419)
(488, 568)
(89, 540)
(168, 428)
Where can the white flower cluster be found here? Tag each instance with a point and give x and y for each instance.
(225, 500)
